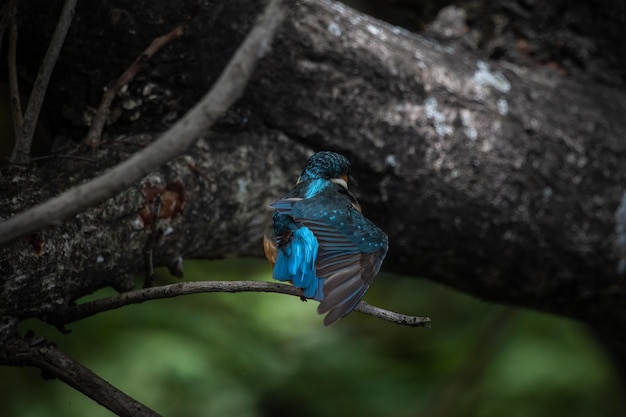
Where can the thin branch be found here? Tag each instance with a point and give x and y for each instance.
(74, 157)
(172, 143)
(5, 15)
(81, 311)
(392, 316)
(97, 125)
(21, 153)
(16, 102)
(53, 362)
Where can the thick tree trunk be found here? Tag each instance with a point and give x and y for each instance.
(498, 178)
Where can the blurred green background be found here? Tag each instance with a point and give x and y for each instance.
(269, 355)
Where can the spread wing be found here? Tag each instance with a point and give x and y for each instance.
(351, 249)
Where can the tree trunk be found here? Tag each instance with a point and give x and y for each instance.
(500, 178)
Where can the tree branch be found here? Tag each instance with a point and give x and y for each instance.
(53, 362)
(21, 152)
(97, 125)
(16, 102)
(172, 143)
(5, 15)
(81, 311)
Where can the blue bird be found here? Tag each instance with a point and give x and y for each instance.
(321, 242)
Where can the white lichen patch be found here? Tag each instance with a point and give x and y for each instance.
(149, 91)
(375, 31)
(153, 179)
(391, 160)
(338, 7)
(130, 103)
(242, 186)
(242, 191)
(334, 29)
(503, 107)
(402, 114)
(437, 117)
(485, 77)
(469, 129)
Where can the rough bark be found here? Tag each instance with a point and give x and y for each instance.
(500, 178)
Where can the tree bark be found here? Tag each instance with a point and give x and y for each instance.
(500, 178)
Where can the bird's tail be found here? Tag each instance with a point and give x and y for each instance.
(295, 262)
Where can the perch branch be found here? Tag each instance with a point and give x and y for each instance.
(81, 311)
(53, 362)
(99, 119)
(21, 152)
(170, 144)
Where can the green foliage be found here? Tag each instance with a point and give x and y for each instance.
(269, 355)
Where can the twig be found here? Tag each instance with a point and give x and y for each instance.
(21, 152)
(392, 316)
(149, 246)
(16, 103)
(6, 13)
(74, 157)
(99, 119)
(21, 352)
(172, 143)
(81, 311)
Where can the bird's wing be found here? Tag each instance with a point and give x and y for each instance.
(351, 249)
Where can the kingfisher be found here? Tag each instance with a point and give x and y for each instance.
(321, 242)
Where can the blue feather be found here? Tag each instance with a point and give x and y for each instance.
(296, 262)
(314, 187)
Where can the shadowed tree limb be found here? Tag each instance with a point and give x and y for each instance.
(170, 144)
(88, 309)
(54, 363)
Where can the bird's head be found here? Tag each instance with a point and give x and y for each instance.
(328, 166)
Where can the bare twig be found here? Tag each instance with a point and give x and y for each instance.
(172, 143)
(21, 352)
(81, 311)
(392, 316)
(21, 152)
(74, 157)
(16, 102)
(5, 15)
(99, 119)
